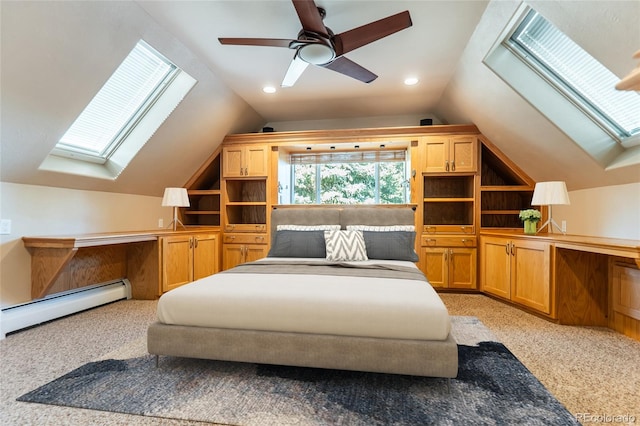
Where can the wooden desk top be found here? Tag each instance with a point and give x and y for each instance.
(103, 239)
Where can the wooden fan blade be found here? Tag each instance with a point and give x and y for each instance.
(310, 16)
(275, 42)
(351, 69)
(296, 68)
(357, 37)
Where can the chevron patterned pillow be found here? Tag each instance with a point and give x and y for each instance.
(345, 246)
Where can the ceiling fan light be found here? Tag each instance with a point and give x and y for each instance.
(316, 53)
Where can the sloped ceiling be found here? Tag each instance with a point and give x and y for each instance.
(56, 55)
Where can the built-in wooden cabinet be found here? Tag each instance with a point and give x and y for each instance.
(188, 257)
(240, 248)
(244, 161)
(450, 154)
(517, 269)
(449, 262)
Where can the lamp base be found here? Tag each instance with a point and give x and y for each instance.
(551, 223)
(175, 220)
(174, 224)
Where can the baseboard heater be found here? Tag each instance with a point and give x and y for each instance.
(58, 305)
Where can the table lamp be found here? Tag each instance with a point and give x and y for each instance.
(550, 194)
(175, 197)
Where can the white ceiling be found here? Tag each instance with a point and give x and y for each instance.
(429, 50)
(56, 55)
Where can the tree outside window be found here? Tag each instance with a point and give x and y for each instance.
(350, 182)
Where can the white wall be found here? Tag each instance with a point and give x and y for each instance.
(608, 211)
(41, 210)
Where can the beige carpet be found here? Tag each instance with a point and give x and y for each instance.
(592, 371)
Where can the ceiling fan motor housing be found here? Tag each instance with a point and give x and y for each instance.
(316, 53)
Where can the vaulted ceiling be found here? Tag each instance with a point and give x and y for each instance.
(56, 55)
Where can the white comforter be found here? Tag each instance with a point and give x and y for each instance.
(318, 304)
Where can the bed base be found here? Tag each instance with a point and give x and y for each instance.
(431, 358)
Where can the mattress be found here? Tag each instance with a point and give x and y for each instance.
(308, 303)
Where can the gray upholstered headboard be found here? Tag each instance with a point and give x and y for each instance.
(336, 215)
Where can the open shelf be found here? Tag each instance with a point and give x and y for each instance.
(204, 195)
(503, 193)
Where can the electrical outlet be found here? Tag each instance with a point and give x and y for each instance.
(563, 225)
(161, 223)
(5, 226)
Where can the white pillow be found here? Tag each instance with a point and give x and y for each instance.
(345, 246)
(388, 228)
(307, 227)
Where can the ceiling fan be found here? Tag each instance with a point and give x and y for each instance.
(318, 45)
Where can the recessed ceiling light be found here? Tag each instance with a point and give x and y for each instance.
(410, 81)
(269, 89)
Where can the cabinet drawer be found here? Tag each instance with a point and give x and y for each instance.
(449, 229)
(245, 227)
(461, 241)
(245, 239)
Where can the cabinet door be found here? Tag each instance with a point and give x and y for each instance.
(232, 161)
(232, 255)
(205, 255)
(436, 155)
(434, 266)
(494, 266)
(256, 160)
(462, 268)
(530, 274)
(462, 154)
(254, 252)
(177, 261)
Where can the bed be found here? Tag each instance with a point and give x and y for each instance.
(310, 304)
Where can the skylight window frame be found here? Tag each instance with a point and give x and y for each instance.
(600, 117)
(79, 153)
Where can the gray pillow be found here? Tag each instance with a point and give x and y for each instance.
(298, 244)
(393, 245)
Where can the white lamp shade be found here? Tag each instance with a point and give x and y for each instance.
(175, 197)
(550, 194)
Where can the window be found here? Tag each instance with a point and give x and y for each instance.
(141, 93)
(577, 74)
(569, 87)
(367, 177)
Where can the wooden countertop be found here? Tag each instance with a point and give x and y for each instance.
(106, 238)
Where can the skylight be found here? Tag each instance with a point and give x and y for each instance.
(568, 87)
(118, 106)
(127, 111)
(577, 74)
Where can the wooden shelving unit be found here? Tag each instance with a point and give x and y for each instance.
(448, 203)
(204, 195)
(504, 190)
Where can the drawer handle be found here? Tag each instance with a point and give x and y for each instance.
(231, 237)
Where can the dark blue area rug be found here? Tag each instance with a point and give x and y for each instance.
(492, 388)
